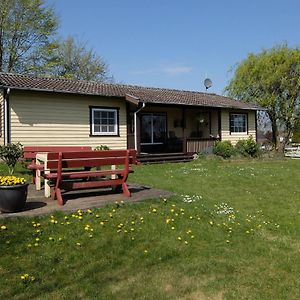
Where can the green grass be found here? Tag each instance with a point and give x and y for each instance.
(230, 232)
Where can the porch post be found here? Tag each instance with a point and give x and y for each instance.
(138, 134)
(183, 129)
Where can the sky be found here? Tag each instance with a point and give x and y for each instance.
(176, 43)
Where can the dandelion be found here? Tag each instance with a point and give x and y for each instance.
(3, 227)
(26, 278)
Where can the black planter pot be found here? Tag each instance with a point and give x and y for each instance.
(13, 197)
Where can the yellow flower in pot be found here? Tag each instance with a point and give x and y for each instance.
(13, 189)
(13, 193)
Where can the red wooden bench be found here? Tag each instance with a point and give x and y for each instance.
(65, 179)
(29, 153)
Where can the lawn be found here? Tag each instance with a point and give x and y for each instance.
(231, 232)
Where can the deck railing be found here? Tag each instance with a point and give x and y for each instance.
(293, 152)
(195, 145)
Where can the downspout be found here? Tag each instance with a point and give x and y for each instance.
(6, 117)
(135, 127)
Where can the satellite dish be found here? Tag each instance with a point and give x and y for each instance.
(207, 83)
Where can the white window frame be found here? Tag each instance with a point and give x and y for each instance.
(246, 123)
(103, 133)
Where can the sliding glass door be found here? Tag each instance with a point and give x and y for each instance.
(153, 128)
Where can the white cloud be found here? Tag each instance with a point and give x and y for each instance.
(172, 71)
(177, 70)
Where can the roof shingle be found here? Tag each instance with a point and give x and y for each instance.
(145, 94)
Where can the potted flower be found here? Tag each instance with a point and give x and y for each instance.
(13, 193)
(13, 189)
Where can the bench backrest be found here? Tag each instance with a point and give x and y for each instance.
(79, 159)
(31, 151)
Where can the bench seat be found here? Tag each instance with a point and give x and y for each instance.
(84, 174)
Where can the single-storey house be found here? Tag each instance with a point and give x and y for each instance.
(52, 111)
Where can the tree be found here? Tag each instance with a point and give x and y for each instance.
(73, 60)
(27, 28)
(271, 79)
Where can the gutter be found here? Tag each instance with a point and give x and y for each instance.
(6, 117)
(135, 127)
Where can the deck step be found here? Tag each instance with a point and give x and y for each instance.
(164, 157)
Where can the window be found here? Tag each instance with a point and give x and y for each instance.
(104, 121)
(238, 123)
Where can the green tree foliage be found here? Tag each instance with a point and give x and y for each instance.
(28, 44)
(73, 60)
(27, 28)
(271, 79)
(10, 154)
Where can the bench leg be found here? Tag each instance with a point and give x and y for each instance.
(33, 176)
(38, 180)
(56, 194)
(125, 190)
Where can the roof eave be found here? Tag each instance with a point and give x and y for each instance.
(58, 91)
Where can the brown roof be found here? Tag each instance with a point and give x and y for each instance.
(144, 94)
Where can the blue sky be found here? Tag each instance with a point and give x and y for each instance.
(176, 43)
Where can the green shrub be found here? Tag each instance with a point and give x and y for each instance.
(224, 149)
(10, 154)
(248, 147)
(101, 147)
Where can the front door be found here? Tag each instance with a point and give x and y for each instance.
(153, 132)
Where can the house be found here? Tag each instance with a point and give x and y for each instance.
(51, 111)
